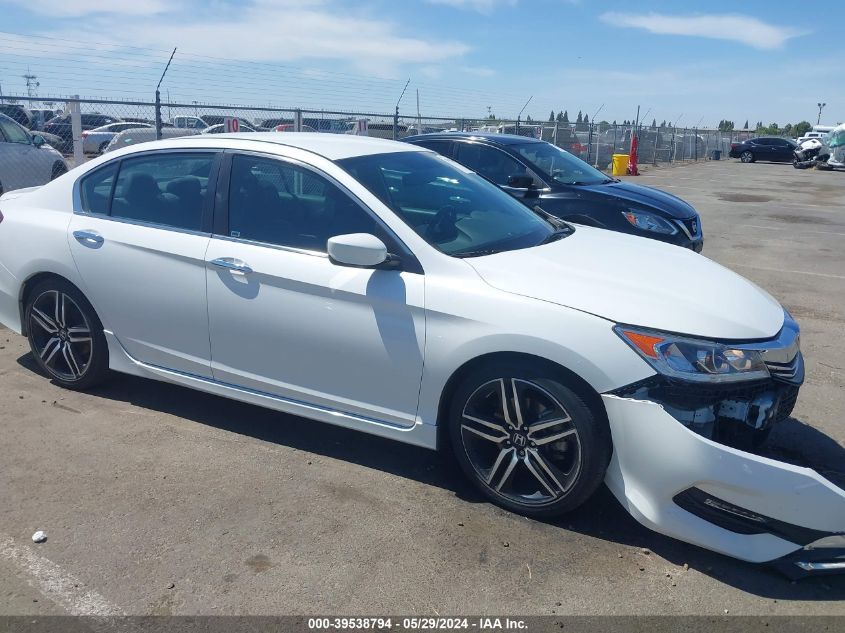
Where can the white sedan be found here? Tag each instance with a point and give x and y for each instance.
(95, 141)
(378, 286)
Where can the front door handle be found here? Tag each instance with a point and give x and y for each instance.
(230, 263)
(91, 239)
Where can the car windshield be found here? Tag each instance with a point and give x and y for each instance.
(452, 208)
(559, 165)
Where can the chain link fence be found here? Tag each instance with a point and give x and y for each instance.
(80, 129)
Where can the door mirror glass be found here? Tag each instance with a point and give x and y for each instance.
(361, 250)
(38, 140)
(520, 181)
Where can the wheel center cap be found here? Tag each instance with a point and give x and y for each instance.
(63, 334)
(519, 440)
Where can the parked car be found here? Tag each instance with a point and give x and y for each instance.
(40, 117)
(539, 173)
(768, 148)
(834, 147)
(25, 160)
(18, 113)
(221, 128)
(290, 127)
(62, 127)
(382, 130)
(189, 122)
(323, 284)
(145, 135)
(95, 141)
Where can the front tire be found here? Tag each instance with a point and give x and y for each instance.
(527, 440)
(746, 157)
(65, 335)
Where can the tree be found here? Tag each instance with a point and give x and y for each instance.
(586, 119)
(528, 119)
(552, 117)
(802, 128)
(787, 129)
(614, 122)
(580, 118)
(654, 123)
(663, 124)
(565, 117)
(746, 125)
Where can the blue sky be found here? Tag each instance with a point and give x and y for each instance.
(700, 61)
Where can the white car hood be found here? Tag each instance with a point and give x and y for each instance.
(637, 281)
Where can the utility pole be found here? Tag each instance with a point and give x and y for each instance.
(821, 107)
(158, 96)
(419, 118)
(31, 83)
(519, 116)
(396, 113)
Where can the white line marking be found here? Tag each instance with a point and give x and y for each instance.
(59, 586)
(781, 270)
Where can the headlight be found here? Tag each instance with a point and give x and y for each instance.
(694, 359)
(650, 222)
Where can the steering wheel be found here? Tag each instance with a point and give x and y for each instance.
(442, 227)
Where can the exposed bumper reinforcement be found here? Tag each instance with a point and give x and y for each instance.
(656, 459)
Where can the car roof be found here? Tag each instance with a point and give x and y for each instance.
(331, 146)
(499, 139)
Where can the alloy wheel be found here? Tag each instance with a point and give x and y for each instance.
(746, 157)
(61, 335)
(521, 441)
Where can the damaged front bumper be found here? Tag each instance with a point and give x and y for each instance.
(685, 485)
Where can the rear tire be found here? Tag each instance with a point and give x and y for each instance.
(65, 335)
(746, 157)
(526, 440)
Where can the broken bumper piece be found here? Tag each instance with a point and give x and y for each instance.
(682, 484)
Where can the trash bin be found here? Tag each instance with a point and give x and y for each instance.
(716, 154)
(620, 164)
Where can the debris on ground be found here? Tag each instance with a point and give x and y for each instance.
(39, 537)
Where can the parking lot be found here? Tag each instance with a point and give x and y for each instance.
(160, 500)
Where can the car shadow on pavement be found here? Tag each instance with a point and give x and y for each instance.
(601, 517)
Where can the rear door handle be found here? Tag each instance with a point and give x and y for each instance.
(92, 239)
(231, 263)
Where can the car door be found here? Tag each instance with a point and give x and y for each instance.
(783, 149)
(495, 165)
(286, 321)
(138, 236)
(21, 163)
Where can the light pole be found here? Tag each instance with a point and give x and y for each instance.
(821, 107)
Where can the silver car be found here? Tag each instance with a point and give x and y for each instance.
(95, 141)
(26, 160)
(144, 135)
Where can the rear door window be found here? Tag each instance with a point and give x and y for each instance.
(169, 189)
(492, 163)
(96, 190)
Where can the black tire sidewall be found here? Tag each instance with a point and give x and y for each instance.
(593, 434)
(97, 370)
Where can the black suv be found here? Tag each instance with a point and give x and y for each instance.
(539, 173)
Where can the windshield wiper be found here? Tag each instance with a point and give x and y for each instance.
(559, 234)
(478, 253)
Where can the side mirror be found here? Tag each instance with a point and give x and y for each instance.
(38, 140)
(521, 181)
(359, 250)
